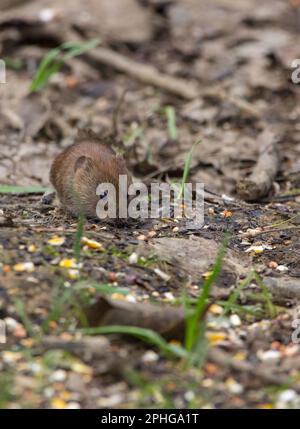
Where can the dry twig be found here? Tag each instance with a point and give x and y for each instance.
(259, 183)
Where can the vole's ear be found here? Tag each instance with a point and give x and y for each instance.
(83, 162)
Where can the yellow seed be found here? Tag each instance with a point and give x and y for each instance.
(68, 263)
(81, 368)
(92, 244)
(175, 343)
(32, 248)
(266, 406)
(58, 403)
(207, 275)
(56, 241)
(73, 274)
(215, 309)
(118, 296)
(215, 337)
(65, 395)
(240, 356)
(257, 250)
(24, 266)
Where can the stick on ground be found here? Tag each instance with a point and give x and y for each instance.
(259, 183)
(145, 73)
(149, 75)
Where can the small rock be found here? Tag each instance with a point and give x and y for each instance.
(133, 258)
(235, 320)
(269, 355)
(58, 375)
(282, 268)
(150, 356)
(233, 386)
(288, 399)
(162, 275)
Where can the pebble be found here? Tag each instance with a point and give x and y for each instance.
(11, 324)
(169, 296)
(133, 258)
(150, 356)
(189, 395)
(233, 386)
(35, 368)
(73, 406)
(58, 375)
(110, 402)
(269, 355)
(162, 275)
(288, 399)
(131, 298)
(49, 392)
(73, 274)
(235, 320)
(47, 14)
(282, 268)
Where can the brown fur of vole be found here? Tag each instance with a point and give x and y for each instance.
(79, 169)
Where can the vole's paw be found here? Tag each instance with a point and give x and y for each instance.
(48, 198)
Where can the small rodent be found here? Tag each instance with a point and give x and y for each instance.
(79, 169)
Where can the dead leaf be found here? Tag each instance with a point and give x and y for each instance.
(34, 111)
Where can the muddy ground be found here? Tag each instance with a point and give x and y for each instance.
(236, 56)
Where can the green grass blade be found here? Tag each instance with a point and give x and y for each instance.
(41, 76)
(78, 237)
(243, 309)
(171, 120)
(267, 296)
(62, 298)
(55, 59)
(284, 222)
(192, 321)
(15, 189)
(146, 335)
(105, 289)
(20, 309)
(234, 296)
(76, 49)
(46, 75)
(186, 170)
(198, 355)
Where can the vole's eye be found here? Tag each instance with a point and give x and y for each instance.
(103, 195)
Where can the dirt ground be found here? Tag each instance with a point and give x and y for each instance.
(233, 61)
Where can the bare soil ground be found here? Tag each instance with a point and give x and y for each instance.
(237, 56)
